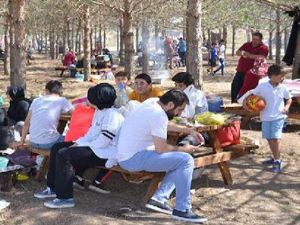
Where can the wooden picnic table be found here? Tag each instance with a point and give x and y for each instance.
(237, 109)
(215, 155)
(62, 69)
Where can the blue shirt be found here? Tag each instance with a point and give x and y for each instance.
(182, 46)
(213, 53)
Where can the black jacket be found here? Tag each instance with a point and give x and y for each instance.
(18, 109)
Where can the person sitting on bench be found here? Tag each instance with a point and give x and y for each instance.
(91, 150)
(43, 117)
(143, 88)
(143, 147)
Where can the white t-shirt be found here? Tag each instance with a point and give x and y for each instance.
(102, 137)
(222, 52)
(144, 122)
(274, 97)
(46, 111)
(198, 102)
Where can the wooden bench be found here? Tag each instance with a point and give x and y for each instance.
(62, 69)
(201, 159)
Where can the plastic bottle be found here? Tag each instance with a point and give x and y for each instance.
(122, 97)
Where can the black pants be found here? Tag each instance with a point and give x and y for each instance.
(182, 56)
(236, 85)
(62, 160)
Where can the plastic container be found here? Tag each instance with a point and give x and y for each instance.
(214, 104)
(79, 77)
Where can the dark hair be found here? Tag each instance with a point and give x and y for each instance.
(54, 87)
(274, 70)
(102, 95)
(258, 34)
(15, 92)
(176, 96)
(123, 74)
(183, 77)
(145, 77)
(222, 40)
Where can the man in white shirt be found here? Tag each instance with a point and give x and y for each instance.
(221, 56)
(143, 147)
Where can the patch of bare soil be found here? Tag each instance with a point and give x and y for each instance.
(257, 197)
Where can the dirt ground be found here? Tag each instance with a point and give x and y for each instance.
(257, 197)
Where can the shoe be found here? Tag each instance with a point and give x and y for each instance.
(47, 193)
(98, 187)
(269, 161)
(159, 206)
(60, 203)
(212, 74)
(276, 167)
(188, 216)
(79, 182)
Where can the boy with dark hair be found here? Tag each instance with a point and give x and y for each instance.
(221, 56)
(91, 150)
(143, 88)
(198, 104)
(143, 147)
(212, 58)
(278, 101)
(43, 117)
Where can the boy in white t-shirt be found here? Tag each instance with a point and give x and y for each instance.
(278, 101)
(43, 117)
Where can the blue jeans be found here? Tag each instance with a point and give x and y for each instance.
(221, 67)
(179, 168)
(48, 146)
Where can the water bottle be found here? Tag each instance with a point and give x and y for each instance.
(122, 97)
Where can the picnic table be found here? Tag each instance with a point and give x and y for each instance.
(62, 69)
(215, 154)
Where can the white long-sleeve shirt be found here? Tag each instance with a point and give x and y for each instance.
(102, 137)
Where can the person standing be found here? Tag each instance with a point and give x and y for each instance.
(182, 51)
(221, 56)
(248, 52)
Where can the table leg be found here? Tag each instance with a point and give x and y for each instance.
(223, 166)
(154, 184)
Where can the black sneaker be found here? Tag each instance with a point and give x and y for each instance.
(159, 206)
(188, 216)
(79, 182)
(98, 187)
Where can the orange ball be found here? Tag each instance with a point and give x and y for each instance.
(255, 103)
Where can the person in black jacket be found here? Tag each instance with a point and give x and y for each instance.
(18, 106)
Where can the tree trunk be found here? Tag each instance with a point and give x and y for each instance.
(156, 32)
(137, 38)
(121, 53)
(91, 40)
(104, 37)
(52, 42)
(128, 39)
(72, 35)
(100, 37)
(78, 49)
(6, 47)
(248, 34)
(194, 41)
(224, 36)
(86, 43)
(145, 44)
(46, 42)
(270, 43)
(118, 39)
(69, 35)
(208, 37)
(233, 40)
(95, 35)
(278, 38)
(296, 67)
(18, 43)
(286, 38)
